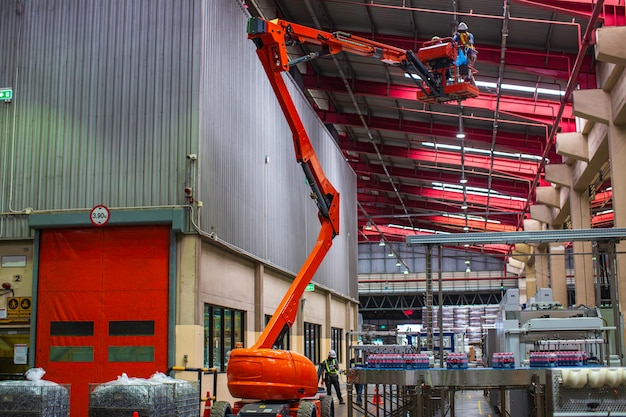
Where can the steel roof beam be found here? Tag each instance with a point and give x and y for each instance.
(420, 207)
(428, 176)
(578, 8)
(515, 168)
(537, 111)
(533, 61)
(538, 236)
(429, 193)
(509, 142)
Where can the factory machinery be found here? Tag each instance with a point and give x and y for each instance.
(542, 361)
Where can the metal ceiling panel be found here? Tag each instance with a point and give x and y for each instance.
(541, 45)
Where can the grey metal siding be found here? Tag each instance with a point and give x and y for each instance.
(254, 193)
(103, 102)
(112, 95)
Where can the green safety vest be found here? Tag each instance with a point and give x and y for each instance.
(327, 364)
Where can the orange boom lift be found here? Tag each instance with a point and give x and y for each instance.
(277, 382)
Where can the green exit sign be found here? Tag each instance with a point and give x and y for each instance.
(310, 287)
(6, 94)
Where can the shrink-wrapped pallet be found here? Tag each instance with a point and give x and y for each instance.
(159, 396)
(124, 396)
(185, 395)
(34, 397)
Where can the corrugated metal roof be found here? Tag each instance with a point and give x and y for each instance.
(540, 46)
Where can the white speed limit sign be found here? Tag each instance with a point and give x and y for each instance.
(99, 215)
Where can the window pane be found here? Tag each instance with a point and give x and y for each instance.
(238, 329)
(228, 333)
(312, 334)
(336, 342)
(223, 331)
(71, 354)
(131, 353)
(71, 328)
(216, 343)
(131, 328)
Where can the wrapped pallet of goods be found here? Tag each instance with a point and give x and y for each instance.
(159, 396)
(34, 397)
(185, 394)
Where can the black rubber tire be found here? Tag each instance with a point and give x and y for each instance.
(220, 409)
(328, 406)
(306, 409)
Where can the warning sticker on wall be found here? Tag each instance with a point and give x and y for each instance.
(19, 306)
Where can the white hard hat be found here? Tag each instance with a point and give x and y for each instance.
(462, 26)
(332, 354)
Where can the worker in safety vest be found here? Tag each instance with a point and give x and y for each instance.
(329, 371)
(465, 40)
(355, 363)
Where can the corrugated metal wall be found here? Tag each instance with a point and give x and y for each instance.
(110, 97)
(254, 192)
(103, 102)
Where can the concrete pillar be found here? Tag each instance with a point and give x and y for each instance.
(608, 106)
(583, 264)
(531, 281)
(189, 248)
(524, 254)
(557, 273)
(537, 268)
(617, 152)
(542, 267)
(259, 311)
(327, 330)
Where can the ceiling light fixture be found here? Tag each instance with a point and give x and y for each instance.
(464, 206)
(463, 180)
(390, 254)
(398, 263)
(382, 242)
(465, 228)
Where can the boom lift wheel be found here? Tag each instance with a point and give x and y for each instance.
(307, 409)
(220, 409)
(328, 406)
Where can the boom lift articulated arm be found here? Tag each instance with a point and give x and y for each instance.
(274, 36)
(322, 191)
(261, 372)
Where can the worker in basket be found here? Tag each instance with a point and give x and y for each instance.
(329, 372)
(467, 52)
